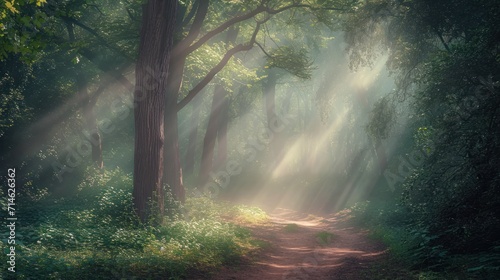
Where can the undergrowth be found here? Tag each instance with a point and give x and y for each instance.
(291, 228)
(96, 235)
(324, 237)
(413, 247)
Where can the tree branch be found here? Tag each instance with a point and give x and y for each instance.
(216, 69)
(114, 71)
(261, 8)
(310, 7)
(190, 15)
(184, 51)
(263, 50)
(109, 70)
(96, 35)
(443, 41)
(221, 28)
(195, 29)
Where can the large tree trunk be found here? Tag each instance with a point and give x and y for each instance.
(193, 137)
(158, 21)
(173, 170)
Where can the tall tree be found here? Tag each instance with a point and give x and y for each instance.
(208, 152)
(296, 62)
(189, 159)
(217, 126)
(156, 40)
(269, 92)
(223, 122)
(263, 10)
(172, 175)
(40, 27)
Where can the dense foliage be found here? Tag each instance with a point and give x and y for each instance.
(96, 235)
(446, 57)
(67, 109)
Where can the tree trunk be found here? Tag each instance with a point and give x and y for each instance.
(172, 175)
(273, 123)
(217, 126)
(381, 156)
(222, 133)
(207, 155)
(173, 170)
(90, 121)
(193, 136)
(232, 33)
(158, 21)
(94, 135)
(269, 87)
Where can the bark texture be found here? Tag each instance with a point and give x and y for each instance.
(158, 23)
(172, 170)
(172, 175)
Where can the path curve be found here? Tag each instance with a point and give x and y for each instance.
(301, 254)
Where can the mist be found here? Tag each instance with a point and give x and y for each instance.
(261, 139)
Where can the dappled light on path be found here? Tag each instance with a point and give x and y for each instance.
(305, 246)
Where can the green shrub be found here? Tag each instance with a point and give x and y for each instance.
(291, 228)
(324, 237)
(96, 235)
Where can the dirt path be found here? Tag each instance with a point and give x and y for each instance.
(297, 252)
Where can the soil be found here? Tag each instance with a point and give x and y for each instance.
(301, 246)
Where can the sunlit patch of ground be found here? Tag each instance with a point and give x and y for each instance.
(318, 248)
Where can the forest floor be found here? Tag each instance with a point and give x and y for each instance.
(302, 246)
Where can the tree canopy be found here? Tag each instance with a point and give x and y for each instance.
(140, 117)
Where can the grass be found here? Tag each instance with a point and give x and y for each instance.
(95, 235)
(389, 268)
(324, 237)
(250, 215)
(203, 208)
(261, 244)
(290, 228)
